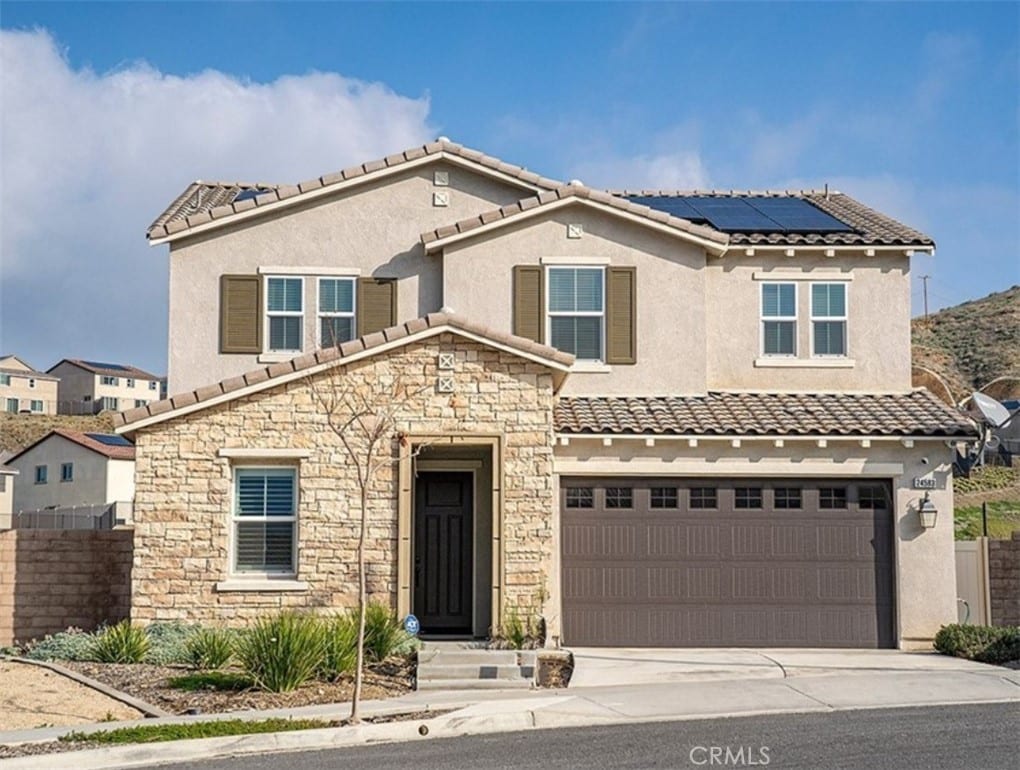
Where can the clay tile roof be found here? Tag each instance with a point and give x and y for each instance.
(115, 449)
(328, 355)
(108, 369)
(194, 206)
(565, 192)
(870, 227)
(917, 413)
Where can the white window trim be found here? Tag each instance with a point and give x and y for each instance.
(762, 319)
(113, 381)
(235, 576)
(33, 402)
(289, 271)
(319, 315)
(283, 314)
(845, 318)
(550, 314)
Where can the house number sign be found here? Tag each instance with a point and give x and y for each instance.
(924, 483)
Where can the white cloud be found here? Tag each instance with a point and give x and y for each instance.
(89, 159)
(680, 170)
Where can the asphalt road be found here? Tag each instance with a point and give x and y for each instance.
(964, 737)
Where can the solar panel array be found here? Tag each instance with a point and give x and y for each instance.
(746, 214)
(100, 365)
(109, 440)
(248, 194)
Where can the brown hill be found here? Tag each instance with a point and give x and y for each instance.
(20, 430)
(973, 346)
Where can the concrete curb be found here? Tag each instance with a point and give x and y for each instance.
(146, 708)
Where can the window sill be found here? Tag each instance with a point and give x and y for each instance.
(261, 584)
(591, 367)
(804, 363)
(275, 358)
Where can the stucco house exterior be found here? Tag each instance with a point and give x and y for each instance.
(23, 389)
(68, 471)
(90, 387)
(650, 418)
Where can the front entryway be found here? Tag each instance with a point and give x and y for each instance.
(443, 552)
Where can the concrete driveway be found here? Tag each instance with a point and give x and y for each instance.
(608, 666)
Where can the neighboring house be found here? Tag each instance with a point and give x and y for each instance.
(653, 419)
(90, 387)
(68, 469)
(6, 490)
(23, 389)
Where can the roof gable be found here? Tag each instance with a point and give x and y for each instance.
(113, 450)
(107, 369)
(204, 206)
(327, 358)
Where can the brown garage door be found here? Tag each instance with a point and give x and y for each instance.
(692, 563)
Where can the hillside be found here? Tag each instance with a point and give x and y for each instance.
(970, 345)
(19, 430)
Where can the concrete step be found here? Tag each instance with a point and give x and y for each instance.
(467, 657)
(474, 684)
(433, 671)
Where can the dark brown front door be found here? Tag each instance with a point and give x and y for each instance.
(442, 552)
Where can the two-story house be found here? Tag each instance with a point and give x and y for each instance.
(23, 389)
(651, 418)
(90, 387)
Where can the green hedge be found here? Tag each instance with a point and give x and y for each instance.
(986, 644)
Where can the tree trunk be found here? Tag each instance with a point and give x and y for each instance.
(362, 606)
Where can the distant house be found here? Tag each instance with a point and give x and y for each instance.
(6, 490)
(89, 387)
(23, 389)
(69, 469)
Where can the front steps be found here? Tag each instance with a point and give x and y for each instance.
(461, 666)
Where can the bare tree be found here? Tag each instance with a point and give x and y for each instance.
(366, 425)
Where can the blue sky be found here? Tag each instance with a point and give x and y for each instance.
(110, 109)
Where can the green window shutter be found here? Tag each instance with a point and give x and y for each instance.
(377, 305)
(621, 315)
(529, 301)
(240, 314)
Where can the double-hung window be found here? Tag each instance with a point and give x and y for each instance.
(107, 380)
(336, 311)
(828, 319)
(265, 520)
(779, 319)
(13, 404)
(67, 472)
(36, 405)
(41, 472)
(577, 311)
(5, 379)
(285, 312)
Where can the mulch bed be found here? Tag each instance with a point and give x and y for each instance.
(149, 683)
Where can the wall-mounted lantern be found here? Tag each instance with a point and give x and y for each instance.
(928, 512)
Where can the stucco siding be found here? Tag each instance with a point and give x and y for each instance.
(374, 228)
(88, 486)
(478, 284)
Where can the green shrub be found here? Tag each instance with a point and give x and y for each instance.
(169, 642)
(384, 634)
(341, 645)
(72, 644)
(283, 652)
(122, 643)
(209, 648)
(986, 644)
(519, 633)
(211, 680)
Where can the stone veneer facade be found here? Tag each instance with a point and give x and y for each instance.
(184, 488)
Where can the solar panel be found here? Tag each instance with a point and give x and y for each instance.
(734, 215)
(673, 205)
(100, 365)
(248, 194)
(109, 440)
(798, 215)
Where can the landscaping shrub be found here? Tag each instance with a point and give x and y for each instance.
(384, 634)
(72, 644)
(986, 644)
(283, 652)
(169, 642)
(341, 645)
(122, 643)
(519, 633)
(211, 680)
(209, 648)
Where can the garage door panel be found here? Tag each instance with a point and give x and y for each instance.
(723, 577)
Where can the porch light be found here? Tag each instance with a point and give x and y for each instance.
(928, 512)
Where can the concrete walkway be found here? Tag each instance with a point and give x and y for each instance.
(807, 681)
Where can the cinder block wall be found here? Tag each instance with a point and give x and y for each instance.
(1004, 580)
(52, 579)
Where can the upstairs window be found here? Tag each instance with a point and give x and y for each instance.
(577, 311)
(107, 380)
(5, 379)
(153, 385)
(41, 472)
(336, 311)
(265, 520)
(828, 319)
(130, 382)
(67, 472)
(779, 319)
(285, 311)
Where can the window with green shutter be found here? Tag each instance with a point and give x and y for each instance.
(265, 520)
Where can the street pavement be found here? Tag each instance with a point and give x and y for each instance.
(797, 682)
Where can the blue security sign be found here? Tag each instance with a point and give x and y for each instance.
(411, 625)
